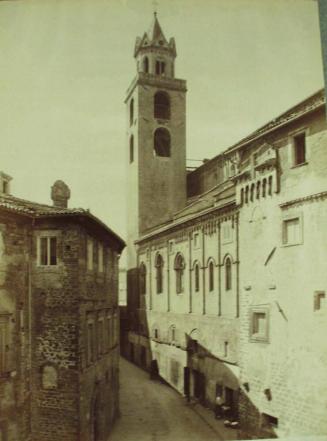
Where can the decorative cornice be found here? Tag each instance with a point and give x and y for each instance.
(310, 198)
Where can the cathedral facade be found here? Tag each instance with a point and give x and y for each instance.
(226, 279)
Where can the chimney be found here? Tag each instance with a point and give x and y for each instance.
(60, 194)
(4, 183)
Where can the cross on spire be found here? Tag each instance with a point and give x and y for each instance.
(155, 7)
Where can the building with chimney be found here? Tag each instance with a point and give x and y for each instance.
(59, 339)
(226, 279)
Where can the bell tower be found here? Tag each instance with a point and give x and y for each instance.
(156, 132)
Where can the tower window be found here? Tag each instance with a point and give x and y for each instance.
(162, 142)
(131, 112)
(159, 273)
(299, 149)
(161, 105)
(146, 65)
(160, 67)
(131, 148)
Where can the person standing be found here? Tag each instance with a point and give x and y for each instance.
(219, 402)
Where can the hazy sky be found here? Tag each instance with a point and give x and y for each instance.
(65, 66)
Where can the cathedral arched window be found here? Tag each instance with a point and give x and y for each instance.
(162, 142)
(196, 277)
(162, 105)
(142, 278)
(179, 269)
(131, 112)
(211, 275)
(159, 272)
(131, 148)
(228, 274)
(146, 64)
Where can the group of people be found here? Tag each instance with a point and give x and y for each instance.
(222, 410)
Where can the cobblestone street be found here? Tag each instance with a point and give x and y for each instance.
(151, 411)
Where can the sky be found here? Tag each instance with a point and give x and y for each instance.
(65, 66)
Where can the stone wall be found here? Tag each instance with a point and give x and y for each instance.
(285, 373)
(15, 243)
(74, 399)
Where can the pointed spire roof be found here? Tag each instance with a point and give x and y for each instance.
(155, 32)
(154, 38)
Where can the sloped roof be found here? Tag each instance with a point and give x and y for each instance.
(35, 210)
(308, 105)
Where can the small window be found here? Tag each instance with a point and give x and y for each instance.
(196, 240)
(89, 252)
(156, 334)
(211, 276)
(100, 258)
(131, 112)
(160, 67)
(162, 142)
(319, 300)
(264, 187)
(142, 279)
(162, 105)
(47, 251)
(242, 196)
(5, 187)
(146, 65)
(228, 274)
(252, 192)
(226, 349)
(131, 149)
(196, 277)
(227, 232)
(159, 273)
(270, 185)
(5, 343)
(299, 149)
(90, 342)
(179, 269)
(100, 337)
(259, 324)
(246, 194)
(292, 234)
(258, 190)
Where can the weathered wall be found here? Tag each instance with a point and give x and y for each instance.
(291, 363)
(74, 405)
(15, 238)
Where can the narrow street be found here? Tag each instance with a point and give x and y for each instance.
(151, 411)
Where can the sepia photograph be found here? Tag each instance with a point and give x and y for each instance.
(163, 213)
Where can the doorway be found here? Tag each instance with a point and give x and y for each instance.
(199, 385)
